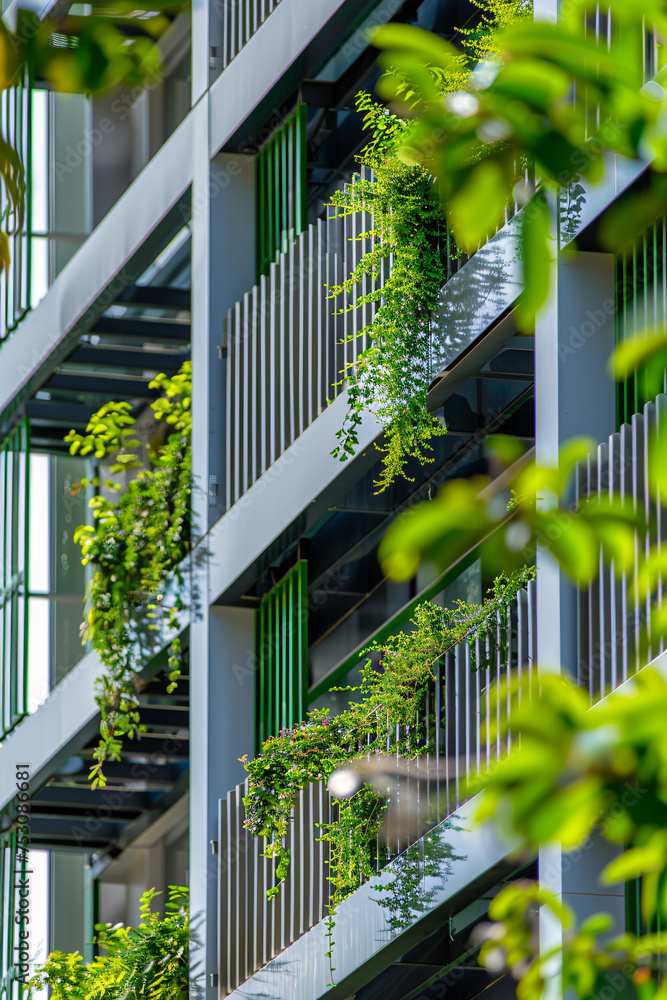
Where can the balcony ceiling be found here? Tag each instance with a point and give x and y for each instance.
(144, 331)
(150, 777)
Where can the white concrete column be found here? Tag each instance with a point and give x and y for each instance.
(574, 395)
(221, 730)
(221, 639)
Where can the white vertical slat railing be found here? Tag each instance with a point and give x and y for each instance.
(612, 621)
(240, 21)
(286, 346)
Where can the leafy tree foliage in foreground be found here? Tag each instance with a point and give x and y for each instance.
(580, 769)
(520, 128)
(149, 961)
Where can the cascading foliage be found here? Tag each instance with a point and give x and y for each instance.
(391, 376)
(135, 545)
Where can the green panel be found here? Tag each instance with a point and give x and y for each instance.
(282, 641)
(91, 916)
(641, 298)
(14, 495)
(280, 181)
(634, 922)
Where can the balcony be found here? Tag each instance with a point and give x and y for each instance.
(286, 347)
(254, 930)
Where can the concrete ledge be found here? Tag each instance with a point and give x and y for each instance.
(620, 174)
(48, 737)
(294, 492)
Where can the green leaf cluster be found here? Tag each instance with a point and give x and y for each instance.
(525, 112)
(135, 546)
(402, 274)
(110, 430)
(391, 376)
(588, 967)
(462, 516)
(575, 769)
(386, 701)
(149, 961)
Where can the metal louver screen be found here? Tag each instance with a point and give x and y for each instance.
(14, 496)
(612, 616)
(283, 654)
(280, 179)
(240, 20)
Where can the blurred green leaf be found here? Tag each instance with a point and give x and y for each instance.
(477, 209)
(598, 923)
(645, 351)
(422, 46)
(436, 530)
(537, 255)
(637, 861)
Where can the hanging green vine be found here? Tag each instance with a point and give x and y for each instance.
(386, 700)
(391, 376)
(135, 545)
(409, 231)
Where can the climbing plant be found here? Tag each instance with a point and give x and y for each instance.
(148, 961)
(134, 545)
(385, 702)
(403, 272)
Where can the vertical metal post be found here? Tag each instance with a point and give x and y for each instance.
(206, 22)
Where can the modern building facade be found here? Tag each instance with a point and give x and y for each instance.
(190, 221)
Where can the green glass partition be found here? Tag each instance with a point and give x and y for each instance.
(282, 640)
